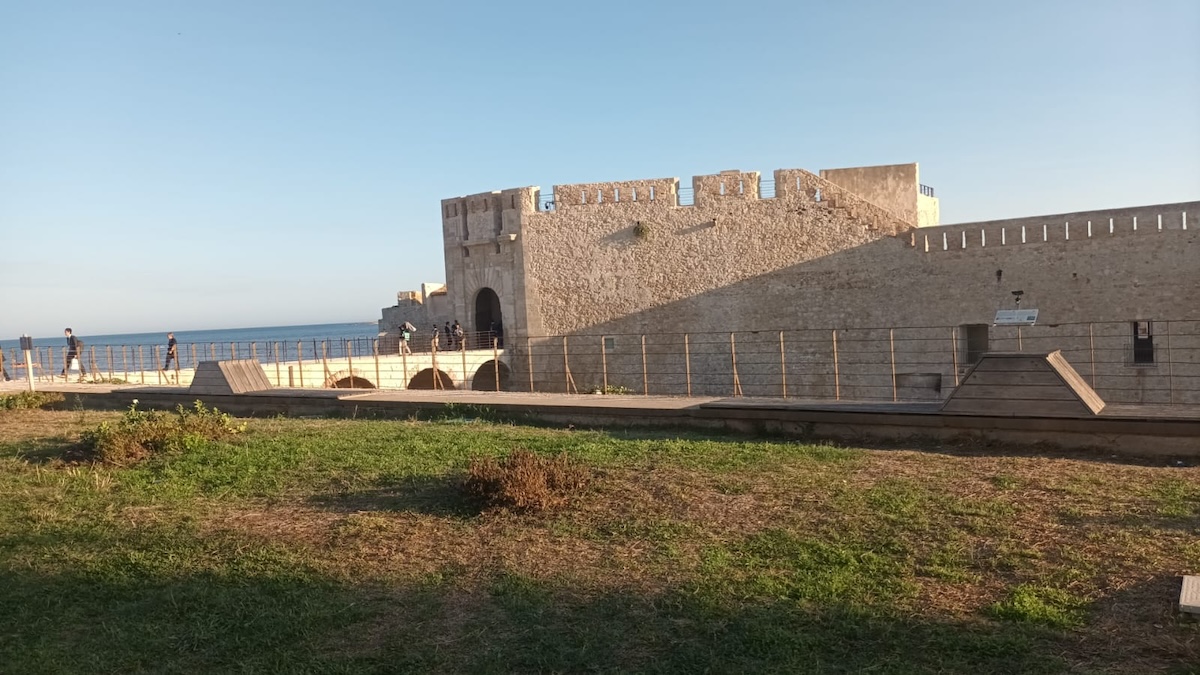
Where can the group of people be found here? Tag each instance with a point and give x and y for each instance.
(452, 336)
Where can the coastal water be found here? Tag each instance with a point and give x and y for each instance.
(266, 343)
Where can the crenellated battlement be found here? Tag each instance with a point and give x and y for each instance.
(727, 186)
(486, 216)
(1087, 225)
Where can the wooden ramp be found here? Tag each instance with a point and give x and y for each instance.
(1024, 384)
(229, 377)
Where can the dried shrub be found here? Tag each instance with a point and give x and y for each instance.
(524, 481)
(140, 434)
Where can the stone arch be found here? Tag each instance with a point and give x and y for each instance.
(487, 309)
(485, 377)
(345, 379)
(431, 379)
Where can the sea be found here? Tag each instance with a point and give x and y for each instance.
(265, 343)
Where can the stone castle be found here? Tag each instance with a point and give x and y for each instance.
(855, 248)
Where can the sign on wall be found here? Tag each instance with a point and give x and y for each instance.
(1016, 317)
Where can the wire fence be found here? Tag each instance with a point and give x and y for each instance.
(148, 364)
(1125, 362)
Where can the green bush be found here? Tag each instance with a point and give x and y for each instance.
(142, 433)
(29, 399)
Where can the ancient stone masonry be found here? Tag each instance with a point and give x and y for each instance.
(600, 264)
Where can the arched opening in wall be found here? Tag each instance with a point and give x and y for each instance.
(353, 382)
(485, 377)
(431, 379)
(346, 380)
(487, 318)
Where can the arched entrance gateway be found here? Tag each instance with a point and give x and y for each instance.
(488, 318)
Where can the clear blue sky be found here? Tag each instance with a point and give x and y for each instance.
(188, 165)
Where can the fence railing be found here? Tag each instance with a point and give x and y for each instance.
(148, 364)
(1125, 362)
(922, 363)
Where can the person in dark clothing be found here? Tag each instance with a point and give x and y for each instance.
(449, 337)
(172, 352)
(72, 354)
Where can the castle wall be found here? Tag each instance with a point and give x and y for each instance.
(596, 263)
(792, 263)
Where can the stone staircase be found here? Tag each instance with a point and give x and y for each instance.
(873, 216)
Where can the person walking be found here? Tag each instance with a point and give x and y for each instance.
(406, 333)
(172, 352)
(449, 337)
(74, 345)
(458, 336)
(433, 342)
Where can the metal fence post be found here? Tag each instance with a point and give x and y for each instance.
(158, 371)
(300, 360)
(496, 361)
(529, 349)
(782, 364)
(141, 365)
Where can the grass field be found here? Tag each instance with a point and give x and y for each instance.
(348, 546)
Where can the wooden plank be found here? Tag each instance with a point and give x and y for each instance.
(1023, 408)
(1022, 392)
(1075, 381)
(1048, 377)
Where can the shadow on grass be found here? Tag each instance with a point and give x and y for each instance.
(428, 495)
(967, 445)
(280, 622)
(46, 450)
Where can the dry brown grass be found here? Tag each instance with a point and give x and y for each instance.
(523, 481)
